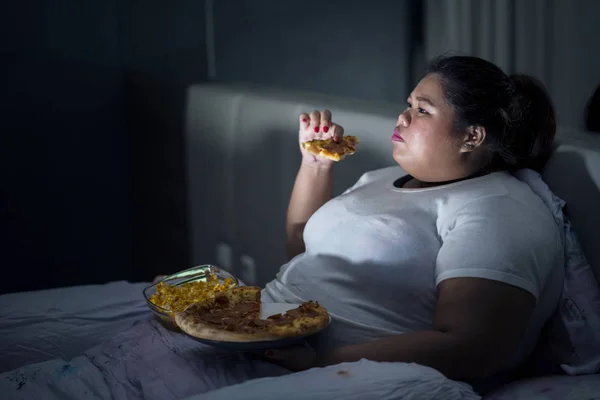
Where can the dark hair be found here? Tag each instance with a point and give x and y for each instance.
(592, 112)
(515, 111)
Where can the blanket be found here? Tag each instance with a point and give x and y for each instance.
(150, 362)
(62, 323)
(146, 361)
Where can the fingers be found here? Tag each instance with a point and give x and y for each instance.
(320, 122)
(304, 121)
(337, 132)
(315, 121)
(325, 121)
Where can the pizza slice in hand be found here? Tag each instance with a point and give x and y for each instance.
(330, 149)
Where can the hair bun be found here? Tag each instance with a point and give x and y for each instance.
(532, 123)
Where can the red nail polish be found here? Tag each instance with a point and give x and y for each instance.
(336, 139)
(325, 129)
(316, 129)
(304, 120)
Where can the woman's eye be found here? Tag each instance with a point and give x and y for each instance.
(419, 109)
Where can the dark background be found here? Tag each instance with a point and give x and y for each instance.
(93, 95)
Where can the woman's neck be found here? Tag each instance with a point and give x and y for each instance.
(418, 184)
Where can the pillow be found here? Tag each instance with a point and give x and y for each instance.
(571, 338)
(573, 333)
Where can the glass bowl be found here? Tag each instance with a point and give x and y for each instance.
(195, 274)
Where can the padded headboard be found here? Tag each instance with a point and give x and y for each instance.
(242, 159)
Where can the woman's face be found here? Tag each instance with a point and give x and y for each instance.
(425, 144)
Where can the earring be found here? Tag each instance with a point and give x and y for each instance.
(469, 146)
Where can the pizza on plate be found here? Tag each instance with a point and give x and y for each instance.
(234, 316)
(330, 149)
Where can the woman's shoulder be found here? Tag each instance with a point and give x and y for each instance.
(496, 185)
(499, 196)
(514, 190)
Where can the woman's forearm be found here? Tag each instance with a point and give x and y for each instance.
(313, 188)
(453, 356)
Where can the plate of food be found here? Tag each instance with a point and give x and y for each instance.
(236, 319)
(174, 293)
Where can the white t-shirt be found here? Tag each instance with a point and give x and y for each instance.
(375, 255)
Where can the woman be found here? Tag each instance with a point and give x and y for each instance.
(456, 265)
(449, 262)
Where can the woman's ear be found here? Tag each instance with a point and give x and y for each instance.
(473, 139)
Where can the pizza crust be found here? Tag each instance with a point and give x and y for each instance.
(203, 331)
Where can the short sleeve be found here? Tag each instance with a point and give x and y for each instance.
(501, 239)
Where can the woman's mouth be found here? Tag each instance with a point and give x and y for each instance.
(396, 136)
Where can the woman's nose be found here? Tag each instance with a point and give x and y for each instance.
(404, 119)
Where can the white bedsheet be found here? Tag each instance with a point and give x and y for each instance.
(62, 323)
(131, 356)
(145, 361)
(362, 380)
(149, 362)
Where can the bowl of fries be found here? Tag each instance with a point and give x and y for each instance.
(174, 293)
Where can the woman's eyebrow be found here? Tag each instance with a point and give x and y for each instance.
(422, 99)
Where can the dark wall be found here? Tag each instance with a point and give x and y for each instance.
(65, 170)
(339, 47)
(93, 169)
(163, 54)
(92, 148)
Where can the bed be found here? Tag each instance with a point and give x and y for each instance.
(226, 129)
(48, 349)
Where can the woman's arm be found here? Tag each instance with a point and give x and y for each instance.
(477, 327)
(313, 188)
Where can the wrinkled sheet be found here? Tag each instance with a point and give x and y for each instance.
(101, 342)
(147, 361)
(366, 380)
(64, 322)
(584, 387)
(150, 362)
(362, 380)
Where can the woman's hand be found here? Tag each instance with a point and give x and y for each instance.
(317, 125)
(298, 358)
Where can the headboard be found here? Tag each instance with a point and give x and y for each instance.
(242, 159)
